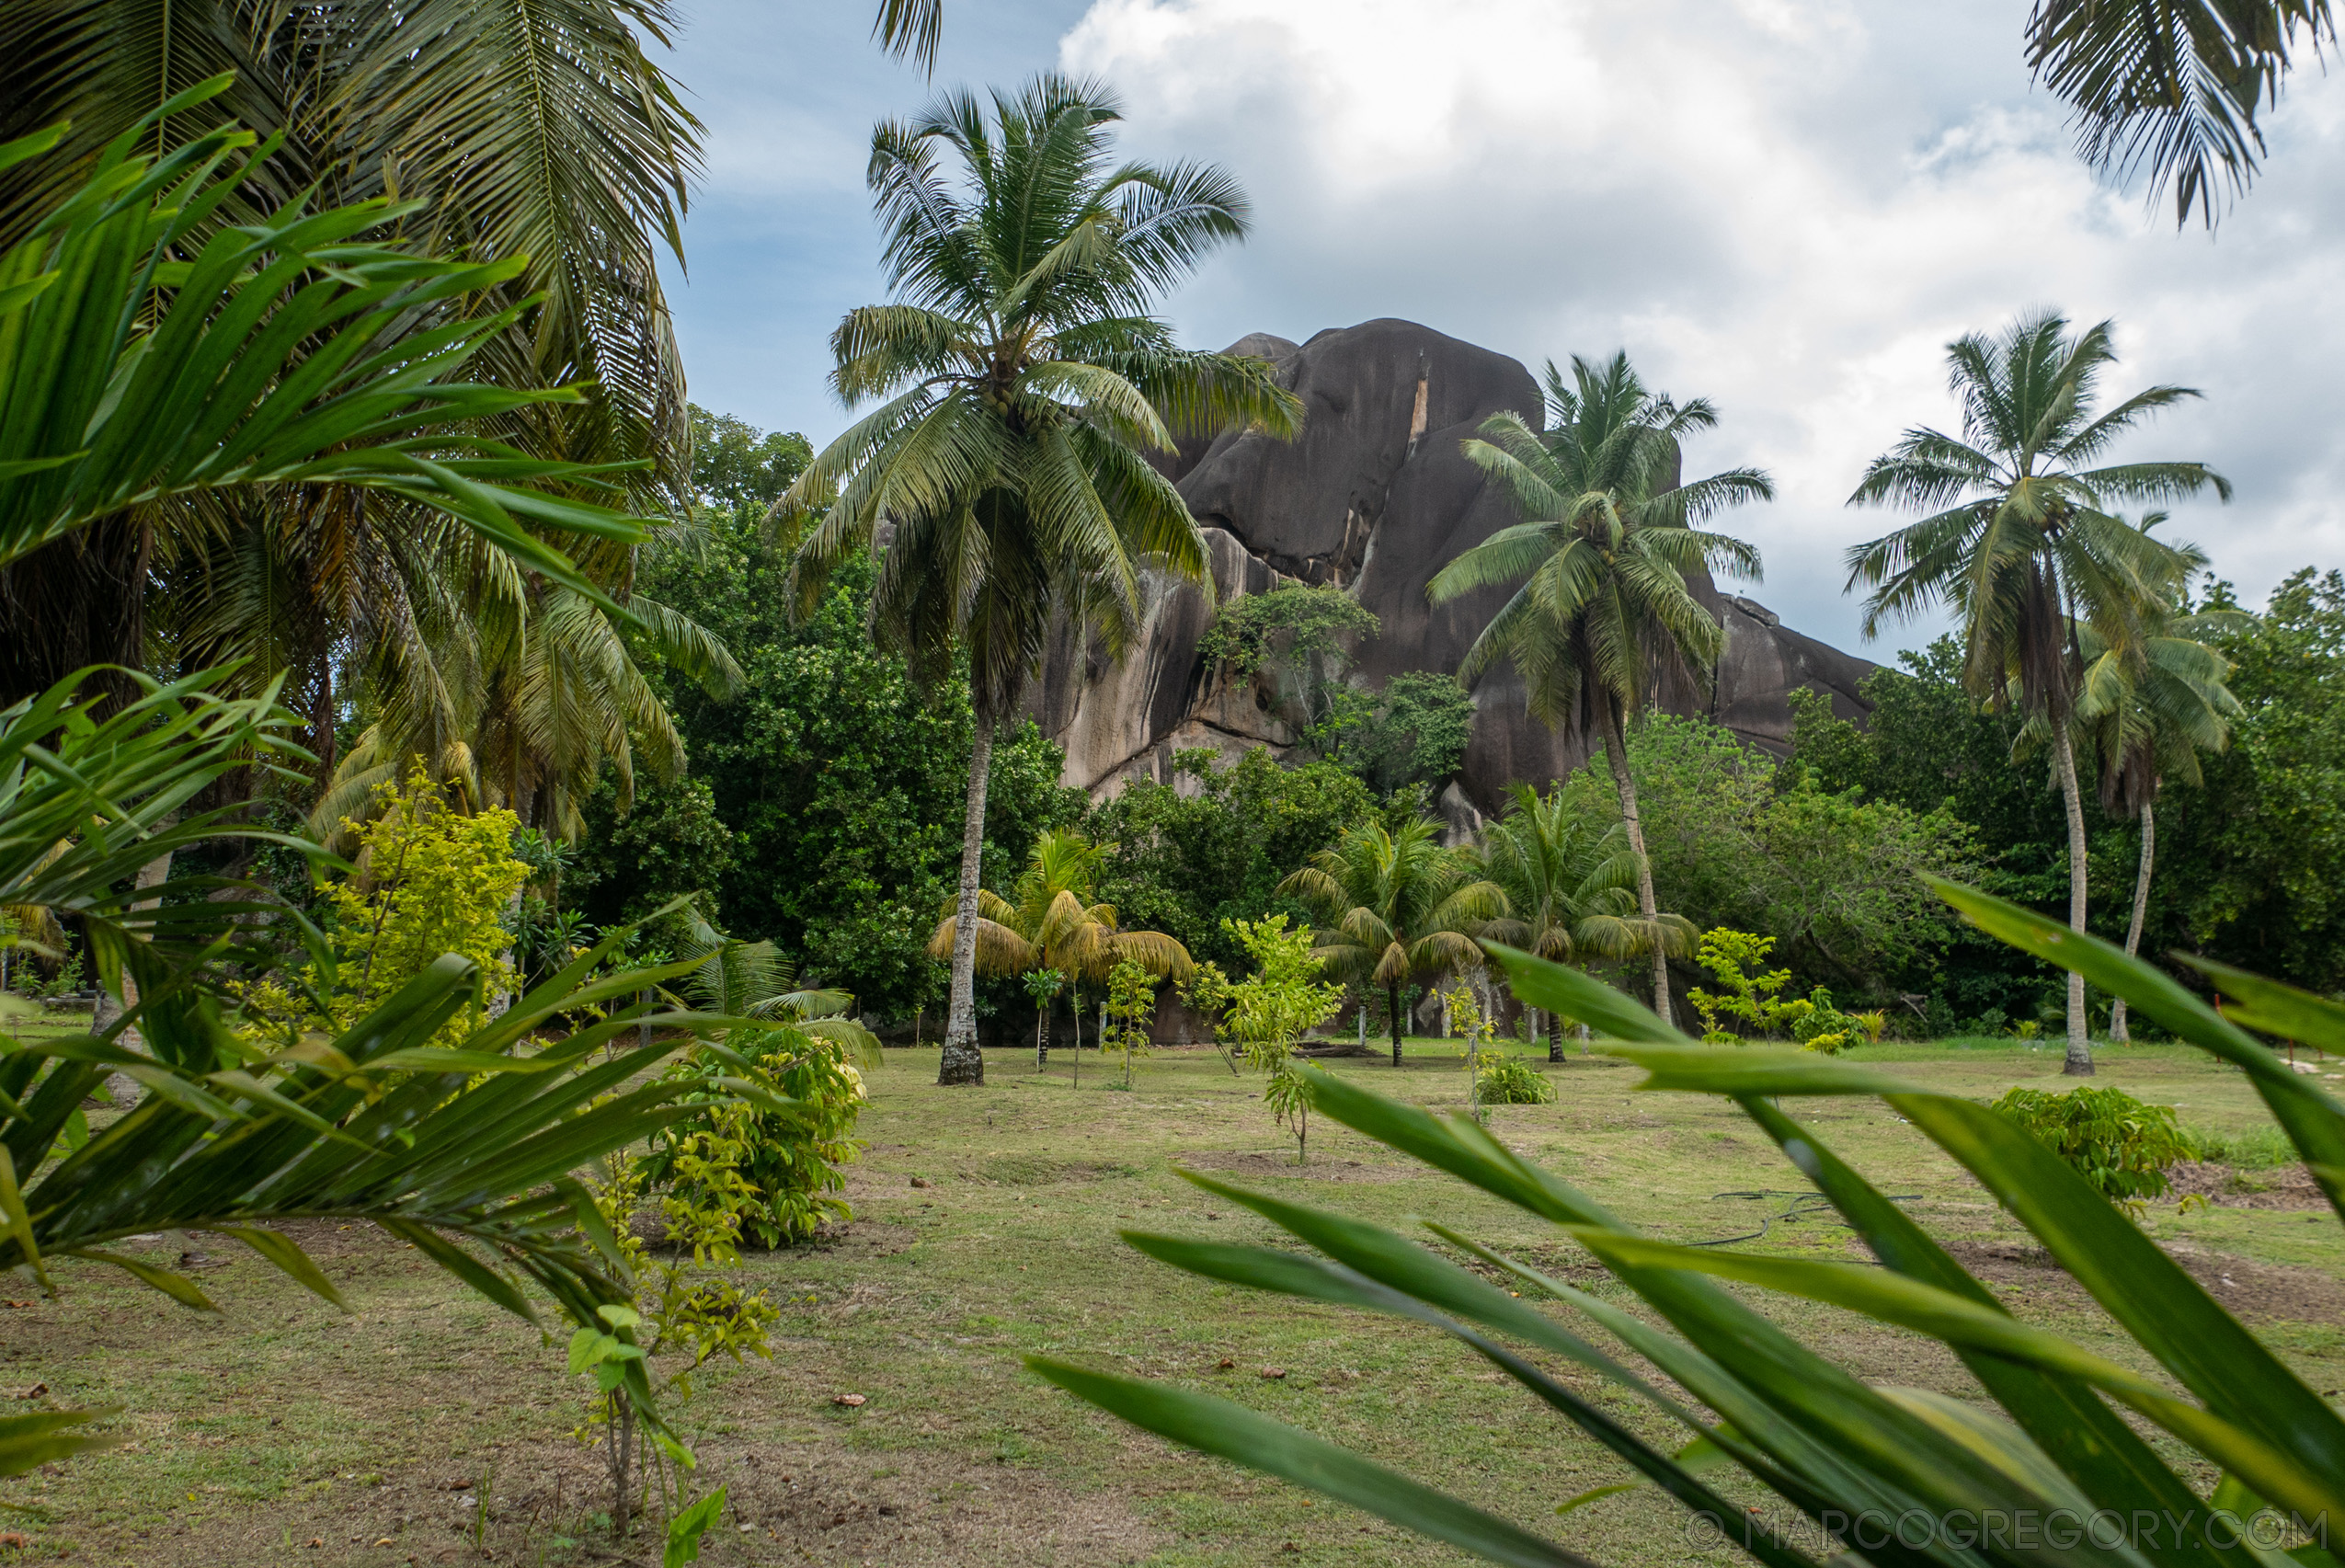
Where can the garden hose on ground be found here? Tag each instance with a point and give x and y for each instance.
(1804, 1204)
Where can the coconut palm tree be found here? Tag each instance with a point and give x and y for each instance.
(1394, 904)
(2170, 88)
(1050, 921)
(1602, 558)
(2152, 697)
(1571, 889)
(1023, 385)
(2019, 543)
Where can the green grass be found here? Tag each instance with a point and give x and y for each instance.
(284, 1422)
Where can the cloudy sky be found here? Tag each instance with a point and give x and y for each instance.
(1788, 206)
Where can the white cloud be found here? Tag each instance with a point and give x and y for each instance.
(1787, 205)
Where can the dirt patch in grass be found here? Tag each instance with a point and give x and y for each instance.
(2248, 1289)
(549, 1502)
(1038, 1171)
(2290, 1186)
(1238, 1163)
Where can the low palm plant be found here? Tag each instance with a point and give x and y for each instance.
(1051, 922)
(1392, 904)
(1570, 887)
(2067, 1435)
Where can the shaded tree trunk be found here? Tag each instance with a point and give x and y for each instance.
(962, 1061)
(2117, 1030)
(1615, 751)
(2079, 1063)
(1392, 996)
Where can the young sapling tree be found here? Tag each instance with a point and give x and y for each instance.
(1268, 1012)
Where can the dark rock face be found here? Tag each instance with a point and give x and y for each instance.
(1375, 497)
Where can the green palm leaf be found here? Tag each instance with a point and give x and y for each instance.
(264, 363)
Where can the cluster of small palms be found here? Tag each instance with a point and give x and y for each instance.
(1052, 926)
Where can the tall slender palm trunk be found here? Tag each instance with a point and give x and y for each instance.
(2080, 1052)
(1392, 995)
(2117, 1030)
(1615, 751)
(962, 1061)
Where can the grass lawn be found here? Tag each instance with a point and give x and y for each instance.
(429, 1427)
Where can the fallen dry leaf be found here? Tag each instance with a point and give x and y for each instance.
(15, 1303)
(1274, 1371)
(1226, 1365)
(15, 1539)
(36, 1391)
(850, 1400)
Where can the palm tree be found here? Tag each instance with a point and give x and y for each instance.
(539, 133)
(1050, 921)
(521, 697)
(1025, 386)
(1571, 889)
(2150, 699)
(117, 403)
(2170, 88)
(2018, 541)
(1602, 558)
(540, 142)
(1395, 903)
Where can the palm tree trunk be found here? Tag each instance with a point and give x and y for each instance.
(2080, 1052)
(2118, 1033)
(1392, 995)
(962, 1061)
(1615, 751)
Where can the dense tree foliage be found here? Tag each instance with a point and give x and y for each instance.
(1736, 840)
(2253, 861)
(824, 803)
(2251, 857)
(1215, 845)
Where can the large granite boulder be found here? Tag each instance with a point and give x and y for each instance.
(1375, 497)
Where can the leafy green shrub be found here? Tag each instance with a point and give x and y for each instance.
(1749, 993)
(1818, 1025)
(430, 881)
(1511, 1081)
(2119, 1145)
(787, 1170)
(1292, 622)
